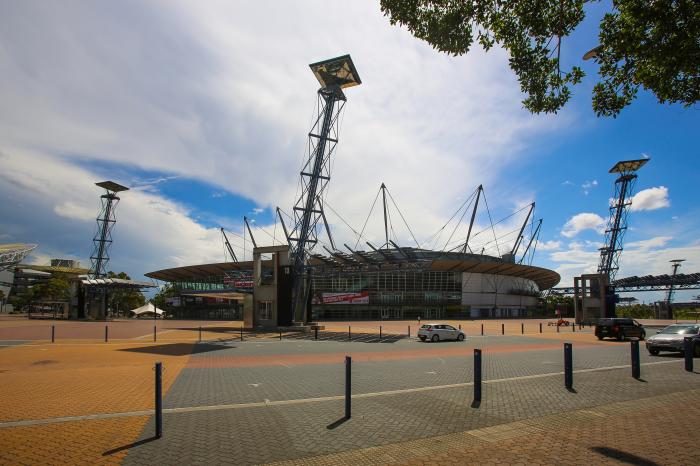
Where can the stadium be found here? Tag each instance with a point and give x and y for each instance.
(296, 285)
(397, 283)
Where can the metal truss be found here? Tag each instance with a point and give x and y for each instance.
(315, 174)
(680, 281)
(102, 241)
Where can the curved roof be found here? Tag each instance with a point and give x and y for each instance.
(11, 254)
(383, 260)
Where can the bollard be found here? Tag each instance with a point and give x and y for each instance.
(540, 327)
(349, 334)
(241, 333)
(482, 330)
(573, 327)
(557, 327)
(568, 367)
(200, 333)
(688, 353)
(53, 333)
(634, 346)
(280, 334)
(522, 328)
(106, 334)
(503, 329)
(380, 332)
(460, 326)
(348, 369)
(316, 333)
(409, 331)
(159, 400)
(154, 333)
(477, 376)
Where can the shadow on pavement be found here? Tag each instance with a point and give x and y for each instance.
(177, 349)
(128, 446)
(343, 336)
(623, 456)
(337, 423)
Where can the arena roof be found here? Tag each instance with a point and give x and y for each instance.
(11, 254)
(384, 259)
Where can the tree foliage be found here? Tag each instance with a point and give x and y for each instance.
(654, 45)
(124, 300)
(168, 291)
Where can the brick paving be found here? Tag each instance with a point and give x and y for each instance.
(42, 381)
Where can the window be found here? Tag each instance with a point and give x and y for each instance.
(265, 310)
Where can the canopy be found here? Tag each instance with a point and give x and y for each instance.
(148, 308)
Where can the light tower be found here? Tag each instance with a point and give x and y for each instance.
(334, 75)
(105, 222)
(617, 223)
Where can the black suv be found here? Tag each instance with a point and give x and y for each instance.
(620, 328)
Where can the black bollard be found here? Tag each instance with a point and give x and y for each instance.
(634, 346)
(540, 327)
(154, 333)
(380, 332)
(409, 331)
(557, 327)
(349, 334)
(200, 333)
(460, 326)
(568, 367)
(53, 333)
(241, 333)
(106, 334)
(688, 353)
(316, 333)
(280, 334)
(159, 400)
(482, 330)
(503, 329)
(348, 373)
(477, 376)
(573, 327)
(522, 328)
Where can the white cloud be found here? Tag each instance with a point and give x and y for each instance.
(588, 185)
(647, 244)
(549, 245)
(258, 210)
(581, 222)
(651, 199)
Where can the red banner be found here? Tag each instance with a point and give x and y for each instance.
(343, 298)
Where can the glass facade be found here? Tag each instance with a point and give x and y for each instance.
(394, 294)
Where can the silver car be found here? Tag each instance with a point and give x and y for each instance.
(437, 332)
(672, 338)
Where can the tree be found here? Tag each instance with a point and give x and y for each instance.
(56, 288)
(126, 299)
(168, 291)
(652, 45)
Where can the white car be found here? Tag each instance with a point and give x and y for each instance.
(437, 332)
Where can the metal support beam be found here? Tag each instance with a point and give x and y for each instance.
(328, 229)
(514, 251)
(250, 232)
(228, 246)
(532, 238)
(471, 222)
(386, 227)
(284, 227)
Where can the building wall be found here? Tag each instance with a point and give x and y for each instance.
(490, 295)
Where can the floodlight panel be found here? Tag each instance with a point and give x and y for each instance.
(112, 186)
(338, 71)
(628, 166)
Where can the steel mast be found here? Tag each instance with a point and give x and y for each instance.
(106, 219)
(334, 75)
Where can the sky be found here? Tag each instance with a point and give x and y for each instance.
(203, 110)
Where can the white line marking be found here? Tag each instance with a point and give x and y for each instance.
(190, 409)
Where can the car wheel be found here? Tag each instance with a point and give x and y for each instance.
(600, 337)
(653, 351)
(435, 339)
(460, 337)
(620, 336)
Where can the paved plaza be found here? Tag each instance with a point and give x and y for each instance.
(278, 398)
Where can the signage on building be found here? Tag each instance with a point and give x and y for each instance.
(361, 297)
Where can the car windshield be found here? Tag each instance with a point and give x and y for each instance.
(681, 329)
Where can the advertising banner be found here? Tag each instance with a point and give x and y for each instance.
(361, 297)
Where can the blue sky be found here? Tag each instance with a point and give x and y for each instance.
(203, 110)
